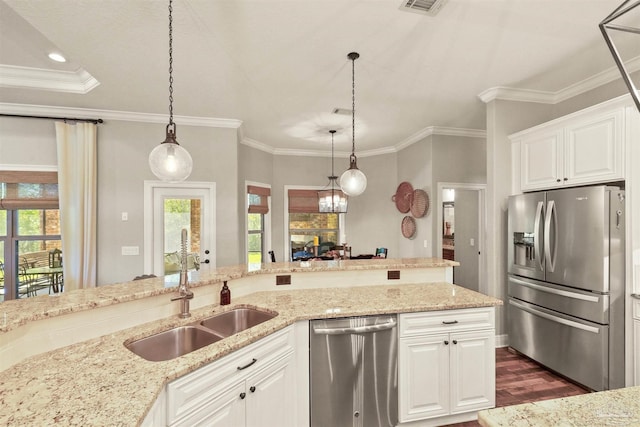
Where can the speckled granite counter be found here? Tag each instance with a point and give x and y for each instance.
(606, 408)
(100, 383)
(19, 312)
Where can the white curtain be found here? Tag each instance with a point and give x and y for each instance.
(77, 183)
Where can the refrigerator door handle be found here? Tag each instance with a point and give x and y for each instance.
(553, 318)
(537, 249)
(573, 295)
(550, 257)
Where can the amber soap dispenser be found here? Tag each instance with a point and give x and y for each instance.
(225, 294)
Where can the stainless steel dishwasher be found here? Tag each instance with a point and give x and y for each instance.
(354, 372)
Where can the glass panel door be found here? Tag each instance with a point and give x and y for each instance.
(181, 214)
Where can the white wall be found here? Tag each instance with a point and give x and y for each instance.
(415, 165)
(123, 149)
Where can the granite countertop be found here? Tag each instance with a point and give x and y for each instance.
(100, 383)
(619, 407)
(16, 313)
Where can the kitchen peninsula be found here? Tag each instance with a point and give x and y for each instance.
(97, 381)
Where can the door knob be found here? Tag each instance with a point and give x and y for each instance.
(206, 251)
(446, 342)
(243, 395)
(455, 342)
(206, 261)
(252, 389)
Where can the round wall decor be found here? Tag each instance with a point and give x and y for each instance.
(403, 197)
(419, 203)
(408, 227)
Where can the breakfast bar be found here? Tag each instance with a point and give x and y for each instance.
(98, 381)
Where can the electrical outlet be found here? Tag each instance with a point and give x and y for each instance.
(426, 243)
(125, 216)
(130, 250)
(472, 242)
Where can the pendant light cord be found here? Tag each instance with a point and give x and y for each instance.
(170, 64)
(353, 105)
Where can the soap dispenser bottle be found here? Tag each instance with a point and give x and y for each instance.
(225, 294)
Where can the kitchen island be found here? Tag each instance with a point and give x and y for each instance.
(620, 407)
(99, 382)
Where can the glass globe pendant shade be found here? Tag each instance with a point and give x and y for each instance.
(169, 161)
(353, 181)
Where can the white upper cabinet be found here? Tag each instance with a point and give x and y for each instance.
(586, 147)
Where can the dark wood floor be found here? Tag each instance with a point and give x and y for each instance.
(521, 380)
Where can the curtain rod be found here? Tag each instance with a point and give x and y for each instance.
(71, 119)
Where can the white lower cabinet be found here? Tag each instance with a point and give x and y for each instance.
(254, 386)
(446, 365)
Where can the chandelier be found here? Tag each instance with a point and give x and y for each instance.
(332, 200)
(169, 161)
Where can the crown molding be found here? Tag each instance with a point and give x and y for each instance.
(438, 130)
(255, 144)
(79, 81)
(129, 116)
(418, 136)
(513, 94)
(544, 97)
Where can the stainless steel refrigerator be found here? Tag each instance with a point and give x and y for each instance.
(566, 282)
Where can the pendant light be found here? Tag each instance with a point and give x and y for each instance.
(353, 181)
(332, 200)
(169, 161)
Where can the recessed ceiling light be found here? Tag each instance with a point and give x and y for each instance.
(57, 57)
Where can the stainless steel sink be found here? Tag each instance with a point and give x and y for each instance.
(173, 343)
(236, 320)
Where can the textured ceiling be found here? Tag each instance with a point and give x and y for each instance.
(281, 67)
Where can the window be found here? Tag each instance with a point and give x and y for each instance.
(255, 245)
(257, 217)
(308, 227)
(30, 245)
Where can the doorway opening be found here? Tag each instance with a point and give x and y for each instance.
(460, 234)
(169, 208)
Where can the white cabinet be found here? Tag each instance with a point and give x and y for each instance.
(583, 148)
(246, 388)
(446, 364)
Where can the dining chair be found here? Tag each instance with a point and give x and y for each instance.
(55, 258)
(381, 252)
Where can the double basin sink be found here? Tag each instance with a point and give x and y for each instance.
(181, 340)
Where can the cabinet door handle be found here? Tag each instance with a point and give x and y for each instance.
(254, 360)
(243, 395)
(252, 389)
(450, 322)
(446, 342)
(566, 179)
(455, 342)
(558, 180)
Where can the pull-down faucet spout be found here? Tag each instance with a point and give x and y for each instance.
(184, 294)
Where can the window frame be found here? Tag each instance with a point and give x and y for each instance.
(266, 222)
(342, 219)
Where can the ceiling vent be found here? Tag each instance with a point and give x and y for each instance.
(343, 111)
(425, 7)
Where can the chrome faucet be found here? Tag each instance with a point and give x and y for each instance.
(184, 294)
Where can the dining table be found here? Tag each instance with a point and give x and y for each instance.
(56, 282)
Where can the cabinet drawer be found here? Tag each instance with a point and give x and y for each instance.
(195, 389)
(412, 324)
